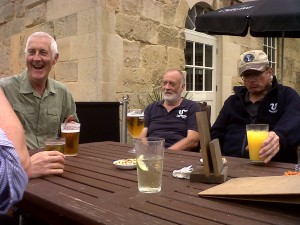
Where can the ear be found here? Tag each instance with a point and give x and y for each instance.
(54, 61)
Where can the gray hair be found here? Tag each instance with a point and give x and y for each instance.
(53, 45)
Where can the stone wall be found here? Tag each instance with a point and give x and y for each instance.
(112, 48)
(108, 48)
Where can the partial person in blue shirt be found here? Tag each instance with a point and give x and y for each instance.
(173, 118)
(14, 157)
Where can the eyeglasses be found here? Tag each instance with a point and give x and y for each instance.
(253, 75)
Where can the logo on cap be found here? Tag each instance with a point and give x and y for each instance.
(248, 58)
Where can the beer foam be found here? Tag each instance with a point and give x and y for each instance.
(71, 131)
(135, 115)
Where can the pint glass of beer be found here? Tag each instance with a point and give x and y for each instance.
(135, 123)
(70, 131)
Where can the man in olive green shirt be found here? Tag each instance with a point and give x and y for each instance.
(40, 116)
(40, 103)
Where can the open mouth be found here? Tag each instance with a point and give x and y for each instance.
(38, 67)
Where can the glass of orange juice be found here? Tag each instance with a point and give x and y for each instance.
(256, 135)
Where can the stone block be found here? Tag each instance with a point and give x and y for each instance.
(131, 79)
(131, 53)
(154, 57)
(88, 71)
(64, 45)
(135, 28)
(83, 46)
(131, 7)
(66, 71)
(106, 20)
(6, 13)
(167, 36)
(83, 92)
(176, 58)
(108, 92)
(35, 16)
(32, 3)
(87, 21)
(61, 8)
(65, 26)
(169, 12)
(181, 13)
(153, 10)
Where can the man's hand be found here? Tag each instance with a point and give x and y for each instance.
(46, 163)
(270, 147)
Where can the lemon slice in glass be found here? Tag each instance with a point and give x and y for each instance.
(140, 163)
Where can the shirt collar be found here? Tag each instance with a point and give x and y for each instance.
(26, 88)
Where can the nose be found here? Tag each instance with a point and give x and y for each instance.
(36, 56)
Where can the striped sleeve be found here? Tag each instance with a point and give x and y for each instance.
(13, 179)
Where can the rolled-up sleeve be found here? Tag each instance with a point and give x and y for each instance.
(13, 179)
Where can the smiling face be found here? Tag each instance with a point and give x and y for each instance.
(172, 86)
(39, 59)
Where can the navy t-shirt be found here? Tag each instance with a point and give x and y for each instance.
(173, 125)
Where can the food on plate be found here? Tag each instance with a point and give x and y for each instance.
(125, 162)
(288, 173)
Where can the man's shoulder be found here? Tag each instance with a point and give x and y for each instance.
(57, 84)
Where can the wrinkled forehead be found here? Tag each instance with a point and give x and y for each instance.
(172, 76)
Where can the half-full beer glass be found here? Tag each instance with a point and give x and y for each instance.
(135, 123)
(71, 132)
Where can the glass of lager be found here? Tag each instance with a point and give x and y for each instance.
(55, 144)
(135, 123)
(70, 131)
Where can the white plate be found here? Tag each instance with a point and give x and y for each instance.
(125, 164)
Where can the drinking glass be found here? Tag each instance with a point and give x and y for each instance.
(256, 135)
(149, 163)
(71, 131)
(135, 124)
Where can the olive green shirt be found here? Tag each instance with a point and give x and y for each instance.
(41, 117)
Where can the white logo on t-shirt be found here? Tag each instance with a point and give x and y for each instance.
(181, 112)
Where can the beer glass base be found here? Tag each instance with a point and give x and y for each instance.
(132, 151)
(70, 154)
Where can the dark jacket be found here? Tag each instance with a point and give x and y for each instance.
(280, 108)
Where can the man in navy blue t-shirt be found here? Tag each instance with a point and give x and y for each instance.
(174, 117)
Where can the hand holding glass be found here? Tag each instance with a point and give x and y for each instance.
(256, 135)
(135, 123)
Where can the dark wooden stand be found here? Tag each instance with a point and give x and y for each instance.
(213, 169)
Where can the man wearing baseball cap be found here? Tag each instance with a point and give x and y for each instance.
(261, 100)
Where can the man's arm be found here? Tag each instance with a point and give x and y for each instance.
(188, 143)
(144, 133)
(11, 125)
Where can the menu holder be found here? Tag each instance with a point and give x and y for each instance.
(213, 169)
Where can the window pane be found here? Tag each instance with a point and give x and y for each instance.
(198, 54)
(189, 53)
(208, 56)
(198, 79)
(189, 79)
(208, 80)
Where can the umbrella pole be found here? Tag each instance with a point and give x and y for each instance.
(282, 55)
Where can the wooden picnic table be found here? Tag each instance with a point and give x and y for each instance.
(93, 191)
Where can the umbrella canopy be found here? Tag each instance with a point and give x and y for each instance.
(264, 18)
